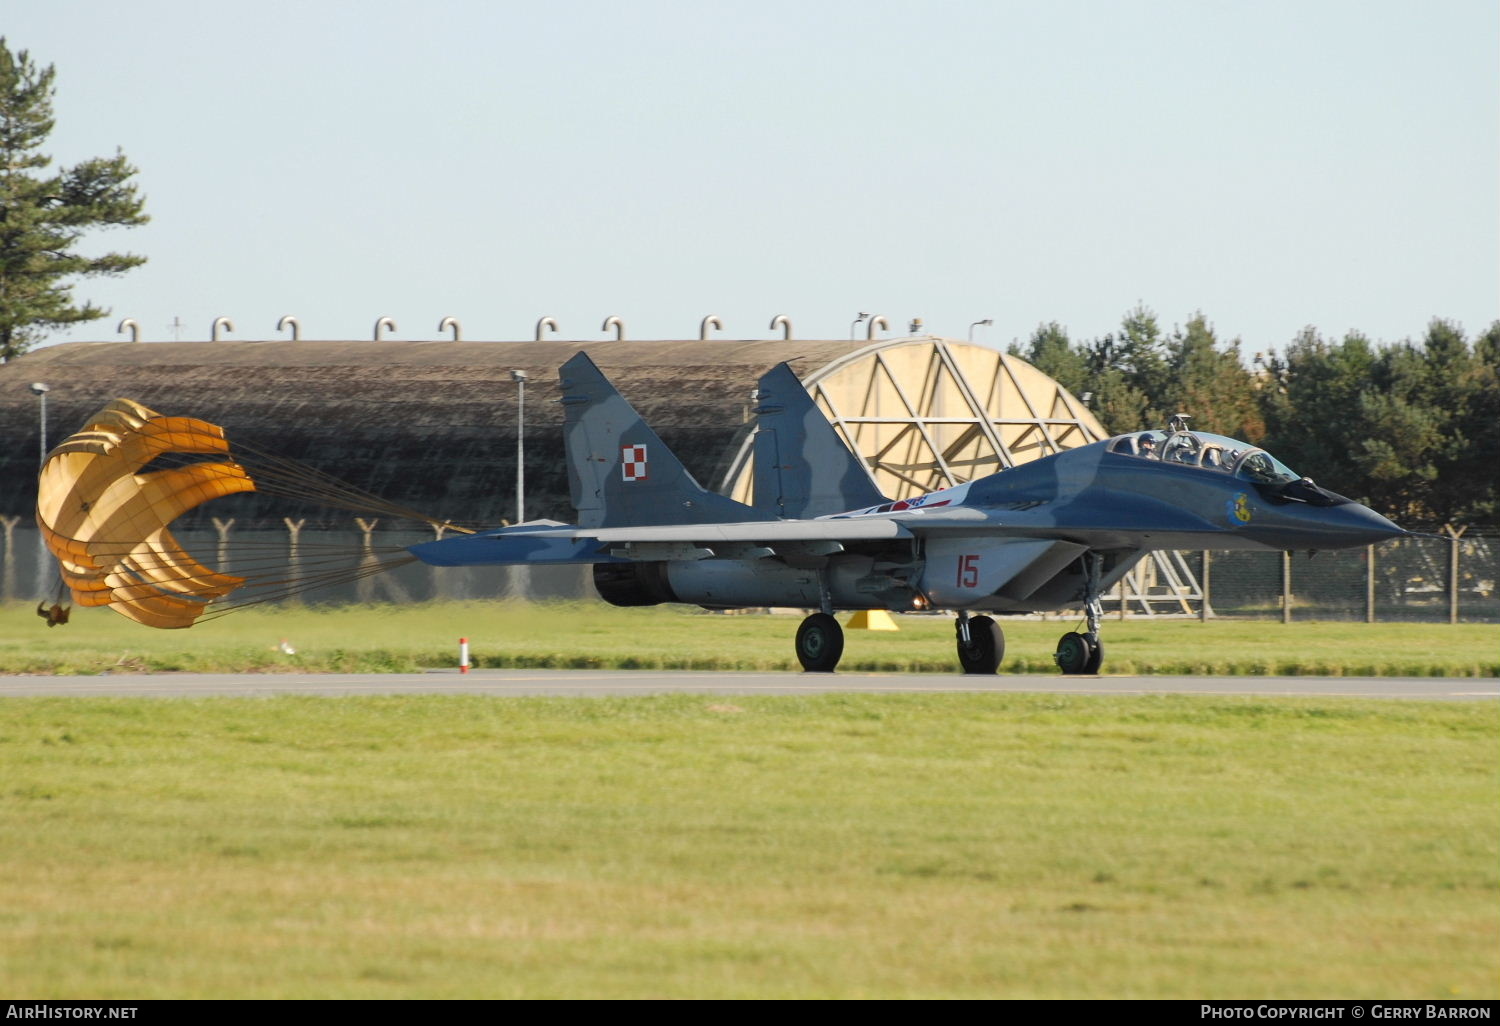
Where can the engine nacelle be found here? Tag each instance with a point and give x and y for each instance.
(726, 583)
(633, 584)
(854, 582)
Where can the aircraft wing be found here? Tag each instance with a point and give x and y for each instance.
(550, 543)
(1143, 522)
(761, 531)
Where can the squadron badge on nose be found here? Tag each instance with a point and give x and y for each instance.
(1239, 509)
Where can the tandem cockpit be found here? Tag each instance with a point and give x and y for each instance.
(1216, 453)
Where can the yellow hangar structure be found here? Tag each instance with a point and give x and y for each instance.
(929, 413)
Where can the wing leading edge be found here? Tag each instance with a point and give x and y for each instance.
(550, 543)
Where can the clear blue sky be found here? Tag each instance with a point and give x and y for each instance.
(1273, 163)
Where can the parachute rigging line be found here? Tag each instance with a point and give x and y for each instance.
(107, 495)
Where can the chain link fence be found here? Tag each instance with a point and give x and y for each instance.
(1429, 580)
(1432, 580)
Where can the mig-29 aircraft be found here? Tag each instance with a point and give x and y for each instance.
(1051, 534)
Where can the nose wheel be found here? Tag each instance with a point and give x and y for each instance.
(1079, 653)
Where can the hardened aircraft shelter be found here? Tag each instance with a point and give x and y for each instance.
(930, 413)
(433, 424)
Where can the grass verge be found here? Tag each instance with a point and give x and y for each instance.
(677, 846)
(594, 635)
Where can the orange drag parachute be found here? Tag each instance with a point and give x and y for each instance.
(107, 521)
(107, 495)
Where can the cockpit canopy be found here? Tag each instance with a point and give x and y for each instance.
(1208, 451)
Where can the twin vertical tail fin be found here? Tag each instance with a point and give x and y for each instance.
(620, 474)
(802, 467)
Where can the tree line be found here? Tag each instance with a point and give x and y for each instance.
(1411, 428)
(44, 214)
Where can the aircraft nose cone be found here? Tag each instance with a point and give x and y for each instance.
(1305, 526)
(1363, 526)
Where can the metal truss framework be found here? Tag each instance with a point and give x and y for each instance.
(927, 413)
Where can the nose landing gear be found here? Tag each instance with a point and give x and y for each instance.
(1079, 653)
(1084, 653)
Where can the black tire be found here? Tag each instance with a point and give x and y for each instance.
(820, 643)
(1097, 659)
(1073, 653)
(986, 646)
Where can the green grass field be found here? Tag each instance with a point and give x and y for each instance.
(586, 635)
(828, 846)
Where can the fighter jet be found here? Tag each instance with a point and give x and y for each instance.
(1055, 533)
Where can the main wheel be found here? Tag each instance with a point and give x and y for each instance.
(986, 646)
(820, 643)
(1074, 651)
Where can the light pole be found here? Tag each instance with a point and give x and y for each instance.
(986, 322)
(41, 390)
(43, 564)
(519, 377)
(856, 323)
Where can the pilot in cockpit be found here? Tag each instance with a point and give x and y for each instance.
(1182, 447)
(1146, 446)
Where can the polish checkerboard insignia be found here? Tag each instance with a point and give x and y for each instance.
(633, 462)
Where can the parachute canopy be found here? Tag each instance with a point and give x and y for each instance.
(107, 495)
(105, 518)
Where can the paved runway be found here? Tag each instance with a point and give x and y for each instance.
(599, 683)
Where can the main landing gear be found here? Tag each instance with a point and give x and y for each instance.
(820, 643)
(1084, 653)
(981, 643)
(820, 639)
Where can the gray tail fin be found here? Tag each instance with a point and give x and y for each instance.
(619, 472)
(802, 467)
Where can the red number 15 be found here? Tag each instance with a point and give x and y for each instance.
(968, 571)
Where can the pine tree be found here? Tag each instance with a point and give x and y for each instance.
(1313, 411)
(1050, 351)
(1210, 383)
(1130, 372)
(1481, 426)
(43, 216)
